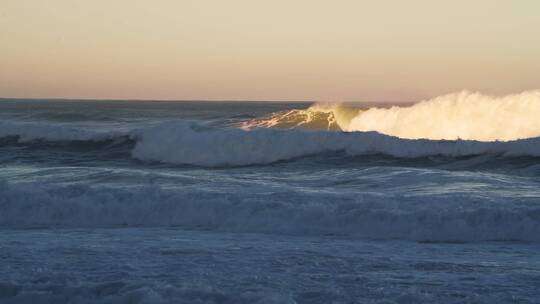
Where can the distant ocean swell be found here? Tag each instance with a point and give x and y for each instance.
(364, 215)
(184, 142)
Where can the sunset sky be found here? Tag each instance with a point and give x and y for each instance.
(343, 50)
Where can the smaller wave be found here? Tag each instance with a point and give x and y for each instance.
(68, 116)
(32, 131)
(443, 217)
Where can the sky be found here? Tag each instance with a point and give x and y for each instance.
(340, 50)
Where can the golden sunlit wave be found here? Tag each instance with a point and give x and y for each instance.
(320, 116)
(463, 115)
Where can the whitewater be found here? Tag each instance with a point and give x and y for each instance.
(271, 202)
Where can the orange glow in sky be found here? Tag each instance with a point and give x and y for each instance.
(267, 50)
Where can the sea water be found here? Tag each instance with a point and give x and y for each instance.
(269, 202)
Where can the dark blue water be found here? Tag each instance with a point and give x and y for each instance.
(172, 202)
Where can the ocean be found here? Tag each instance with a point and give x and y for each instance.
(270, 202)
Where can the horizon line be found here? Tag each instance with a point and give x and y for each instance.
(194, 100)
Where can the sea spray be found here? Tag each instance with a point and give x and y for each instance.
(462, 115)
(465, 115)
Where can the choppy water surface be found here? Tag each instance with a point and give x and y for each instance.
(246, 202)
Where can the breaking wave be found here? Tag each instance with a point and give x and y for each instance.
(464, 115)
(195, 144)
(321, 116)
(183, 143)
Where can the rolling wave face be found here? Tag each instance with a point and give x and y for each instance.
(464, 115)
(195, 144)
(188, 143)
(282, 136)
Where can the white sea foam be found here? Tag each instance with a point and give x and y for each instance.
(467, 116)
(188, 143)
(191, 143)
(444, 217)
(463, 115)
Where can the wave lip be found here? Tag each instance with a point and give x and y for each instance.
(321, 116)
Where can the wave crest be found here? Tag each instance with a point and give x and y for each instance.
(320, 116)
(463, 115)
(191, 143)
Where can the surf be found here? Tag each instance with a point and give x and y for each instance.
(193, 143)
(455, 125)
(295, 212)
(462, 115)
